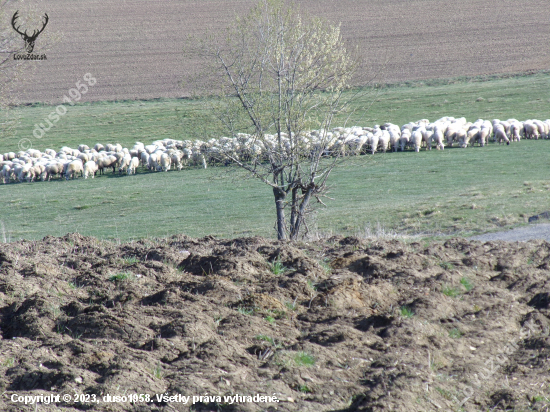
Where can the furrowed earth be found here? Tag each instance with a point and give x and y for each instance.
(135, 48)
(343, 324)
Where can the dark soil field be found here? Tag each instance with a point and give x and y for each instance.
(135, 47)
(340, 325)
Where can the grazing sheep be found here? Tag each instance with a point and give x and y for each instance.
(176, 159)
(90, 168)
(437, 136)
(132, 166)
(373, 141)
(144, 159)
(73, 168)
(516, 131)
(165, 162)
(500, 134)
(531, 130)
(384, 140)
(105, 162)
(54, 168)
(124, 162)
(404, 139)
(416, 140)
(5, 173)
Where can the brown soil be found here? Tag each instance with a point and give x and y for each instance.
(184, 316)
(135, 47)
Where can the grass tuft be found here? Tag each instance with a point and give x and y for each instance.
(277, 267)
(304, 359)
(119, 277)
(406, 312)
(467, 284)
(450, 291)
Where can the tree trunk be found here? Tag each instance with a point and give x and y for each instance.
(295, 229)
(280, 196)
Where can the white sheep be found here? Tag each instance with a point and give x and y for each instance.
(384, 140)
(165, 162)
(73, 168)
(124, 162)
(500, 134)
(132, 166)
(416, 140)
(405, 138)
(90, 168)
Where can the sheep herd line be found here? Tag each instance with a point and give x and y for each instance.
(169, 154)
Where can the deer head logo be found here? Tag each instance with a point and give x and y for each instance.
(29, 40)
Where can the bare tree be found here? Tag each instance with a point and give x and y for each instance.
(279, 75)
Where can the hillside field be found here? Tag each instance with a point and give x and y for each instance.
(135, 48)
(457, 191)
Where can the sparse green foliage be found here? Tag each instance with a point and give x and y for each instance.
(450, 291)
(119, 277)
(131, 260)
(157, 371)
(446, 265)
(266, 339)
(304, 389)
(277, 267)
(455, 333)
(245, 311)
(304, 359)
(9, 362)
(291, 305)
(406, 312)
(270, 319)
(468, 285)
(325, 264)
(270, 340)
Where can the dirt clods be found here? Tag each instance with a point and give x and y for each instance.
(345, 324)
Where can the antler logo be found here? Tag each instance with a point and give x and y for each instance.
(29, 40)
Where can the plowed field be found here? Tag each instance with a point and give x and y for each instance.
(340, 325)
(135, 48)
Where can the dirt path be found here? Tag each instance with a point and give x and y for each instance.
(540, 231)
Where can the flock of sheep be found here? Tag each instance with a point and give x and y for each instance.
(167, 154)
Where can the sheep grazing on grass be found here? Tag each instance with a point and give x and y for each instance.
(54, 168)
(90, 168)
(373, 142)
(5, 173)
(106, 162)
(165, 162)
(438, 136)
(124, 162)
(132, 166)
(416, 140)
(73, 168)
(384, 140)
(500, 134)
(404, 139)
(163, 155)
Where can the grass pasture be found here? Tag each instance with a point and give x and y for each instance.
(457, 191)
(437, 193)
(520, 96)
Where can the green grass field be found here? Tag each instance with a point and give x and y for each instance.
(521, 97)
(454, 192)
